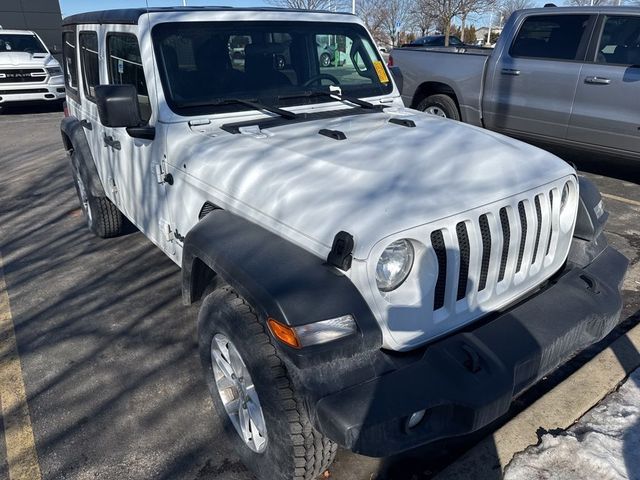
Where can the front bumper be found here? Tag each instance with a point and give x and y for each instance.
(34, 92)
(469, 379)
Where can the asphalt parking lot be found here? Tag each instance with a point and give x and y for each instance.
(107, 360)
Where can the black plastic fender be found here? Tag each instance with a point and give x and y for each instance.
(280, 279)
(589, 240)
(83, 161)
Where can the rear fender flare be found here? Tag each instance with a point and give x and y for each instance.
(75, 140)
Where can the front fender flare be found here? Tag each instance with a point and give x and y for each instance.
(281, 280)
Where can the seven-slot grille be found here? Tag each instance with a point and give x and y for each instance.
(490, 251)
(23, 75)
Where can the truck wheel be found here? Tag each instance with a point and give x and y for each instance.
(102, 216)
(440, 105)
(264, 418)
(325, 60)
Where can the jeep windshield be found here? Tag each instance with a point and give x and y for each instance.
(280, 64)
(11, 42)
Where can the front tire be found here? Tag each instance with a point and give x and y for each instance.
(440, 105)
(285, 446)
(325, 60)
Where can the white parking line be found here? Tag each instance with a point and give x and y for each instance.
(22, 458)
(621, 199)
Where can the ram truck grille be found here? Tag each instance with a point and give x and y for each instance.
(478, 262)
(23, 75)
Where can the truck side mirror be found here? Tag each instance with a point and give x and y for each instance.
(118, 106)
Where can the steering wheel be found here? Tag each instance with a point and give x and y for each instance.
(321, 76)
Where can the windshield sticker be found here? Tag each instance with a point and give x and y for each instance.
(382, 74)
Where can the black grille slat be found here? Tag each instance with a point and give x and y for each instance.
(437, 241)
(523, 236)
(465, 253)
(23, 91)
(506, 238)
(486, 251)
(538, 229)
(551, 227)
(206, 209)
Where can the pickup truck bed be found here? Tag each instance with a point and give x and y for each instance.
(462, 72)
(562, 78)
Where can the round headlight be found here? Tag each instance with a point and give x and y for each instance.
(564, 199)
(394, 265)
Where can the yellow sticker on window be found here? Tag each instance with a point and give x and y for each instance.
(382, 73)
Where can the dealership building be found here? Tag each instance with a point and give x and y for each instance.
(40, 16)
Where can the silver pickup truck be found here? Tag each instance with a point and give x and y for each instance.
(564, 77)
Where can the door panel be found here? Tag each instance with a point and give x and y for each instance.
(89, 77)
(134, 161)
(605, 111)
(533, 84)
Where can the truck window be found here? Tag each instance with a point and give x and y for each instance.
(125, 67)
(89, 63)
(70, 61)
(620, 41)
(557, 37)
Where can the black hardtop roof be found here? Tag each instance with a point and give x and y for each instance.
(131, 15)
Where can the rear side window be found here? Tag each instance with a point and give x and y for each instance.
(70, 61)
(620, 41)
(125, 67)
(89, 63)
(557, 37)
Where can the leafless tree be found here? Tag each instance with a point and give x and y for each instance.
(583, 3)
(338, 5)
(507, 7)
(422, 19)
(371, 13)
(395, 16)
(469, 7)
(443, 11)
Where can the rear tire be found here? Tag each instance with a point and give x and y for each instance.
(102, 216)
(294, 450)
(441, 105)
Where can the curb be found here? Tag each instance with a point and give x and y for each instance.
(558, 409)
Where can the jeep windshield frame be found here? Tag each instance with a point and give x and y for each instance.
(21, 42)
(203, 64)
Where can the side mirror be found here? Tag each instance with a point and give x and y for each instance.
(118, 106)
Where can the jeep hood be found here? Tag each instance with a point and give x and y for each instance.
(382, 179)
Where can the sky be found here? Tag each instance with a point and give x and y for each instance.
(70, 7)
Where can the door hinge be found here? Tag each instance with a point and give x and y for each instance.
(114, 187)
(165, 227)
(161, 174)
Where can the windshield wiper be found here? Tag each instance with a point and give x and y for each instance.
(247, 102)
(337, 94)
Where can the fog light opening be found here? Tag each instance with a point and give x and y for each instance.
(415, 419)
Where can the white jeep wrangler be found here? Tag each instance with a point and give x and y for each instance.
(368, 275)
(28, 71)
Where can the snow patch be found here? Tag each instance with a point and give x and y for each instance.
(604, 444)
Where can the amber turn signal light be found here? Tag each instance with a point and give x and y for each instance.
(284, 333)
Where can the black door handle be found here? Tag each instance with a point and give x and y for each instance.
(109, 141)
(86, 124)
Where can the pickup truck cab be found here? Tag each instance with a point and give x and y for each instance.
(28, 71)
(366, 275)
(558, 77)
